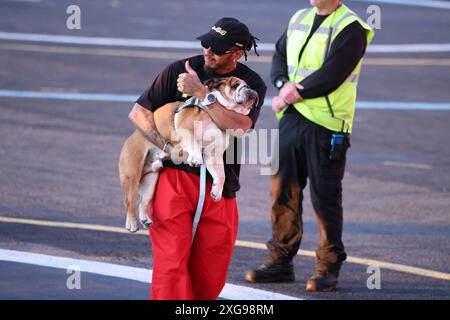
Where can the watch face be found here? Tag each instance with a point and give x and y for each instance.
(279, 84)
(211, 98)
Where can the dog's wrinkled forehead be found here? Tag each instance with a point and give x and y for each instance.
(219, 83)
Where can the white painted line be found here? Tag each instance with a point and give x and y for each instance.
(100, 41)
(239, 243)
(175, 44)
(414, 47)
(177, 55)
(395, 105)
(407, 165)
(230, 291)
(22, 1)
(388, 105)
(100, 268)
(415, 3)
(67, 96)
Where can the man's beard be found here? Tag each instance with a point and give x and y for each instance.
(213, 69)
(209, 69)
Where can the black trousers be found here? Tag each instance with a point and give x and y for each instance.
(304, 149)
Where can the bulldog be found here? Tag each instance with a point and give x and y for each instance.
(191, 130)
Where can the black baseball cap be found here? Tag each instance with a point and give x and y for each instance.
(227, 33)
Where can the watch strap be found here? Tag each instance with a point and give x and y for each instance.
(281, 79)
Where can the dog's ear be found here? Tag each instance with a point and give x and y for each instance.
(214, 83)
(209, 83)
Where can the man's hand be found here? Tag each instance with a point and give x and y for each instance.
(278, 104)
(190, 84)
(289, 93)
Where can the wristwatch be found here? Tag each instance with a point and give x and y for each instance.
(210, 98)
(279, 83)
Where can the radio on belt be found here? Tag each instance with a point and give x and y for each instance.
(338, 146)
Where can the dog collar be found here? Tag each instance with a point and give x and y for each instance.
(224, 102)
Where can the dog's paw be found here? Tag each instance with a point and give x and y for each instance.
(216, 196)
(146, 223)
(216, 192)
(194, 160)
(131, 226)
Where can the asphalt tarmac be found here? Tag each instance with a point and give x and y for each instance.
(58, 157)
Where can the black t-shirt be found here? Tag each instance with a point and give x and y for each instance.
(164, 90)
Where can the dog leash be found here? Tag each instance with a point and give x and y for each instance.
(201, 197)
(201, 200)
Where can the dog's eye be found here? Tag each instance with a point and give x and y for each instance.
(235, 85)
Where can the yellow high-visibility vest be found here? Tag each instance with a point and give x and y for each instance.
(342, 100)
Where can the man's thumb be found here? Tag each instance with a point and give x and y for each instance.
(189, 69)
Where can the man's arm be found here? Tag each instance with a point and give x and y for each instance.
(290, 92)
(145, 123)
(228, 119)
(278, 68)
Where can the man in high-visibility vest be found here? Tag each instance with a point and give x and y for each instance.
(316, 67)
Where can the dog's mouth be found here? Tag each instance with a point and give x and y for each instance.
(245, 96)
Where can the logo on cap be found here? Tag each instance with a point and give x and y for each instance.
(219, 30)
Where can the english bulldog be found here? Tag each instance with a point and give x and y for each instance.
(189, 128)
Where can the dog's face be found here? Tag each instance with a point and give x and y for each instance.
(242, 98)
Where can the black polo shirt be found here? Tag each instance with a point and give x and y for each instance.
(164, 90)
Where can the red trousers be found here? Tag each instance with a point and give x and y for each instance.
(183, 270)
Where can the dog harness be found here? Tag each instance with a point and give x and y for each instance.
(191, 102)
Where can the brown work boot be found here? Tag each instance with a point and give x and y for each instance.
(323, 281)
(272, 271)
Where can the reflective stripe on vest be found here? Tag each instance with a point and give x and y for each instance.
(343, 98)
(353, 78)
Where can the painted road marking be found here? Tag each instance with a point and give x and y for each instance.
(23, 0)
(146, 54)
(68, 96)
(230, 291)
(245, 244)
(403, 48)
(396, 105)
(387, 105)
(102, 51)
(415, 3)
(175, 44)
(407, 165)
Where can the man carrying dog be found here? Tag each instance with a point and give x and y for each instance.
(182, 270)
(316, 68)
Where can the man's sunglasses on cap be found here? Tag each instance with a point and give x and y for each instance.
(217, 52)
